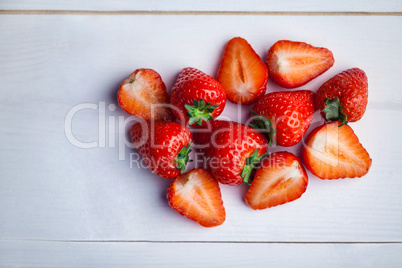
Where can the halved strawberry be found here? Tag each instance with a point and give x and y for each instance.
(281, 178)
(333, 152)
(197, 196)
(242, 73)
(143, 94)
(293, 64)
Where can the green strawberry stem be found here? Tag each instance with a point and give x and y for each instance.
(182, 158)
(334, 111)
(264, 125)
(200, 111)
(251, 162)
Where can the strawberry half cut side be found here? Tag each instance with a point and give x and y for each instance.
(293, 64)
(143, 94)
(281, 178)
(242, 73)
(197, 196)
(334, 152)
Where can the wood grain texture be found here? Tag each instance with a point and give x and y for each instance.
(50, 189)
(209, 5)
(109, 254)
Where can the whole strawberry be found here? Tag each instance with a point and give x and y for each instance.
(233, 151)
(203, 136)
(344, 97)
(164, 146)
(196, 97)
(284, 116)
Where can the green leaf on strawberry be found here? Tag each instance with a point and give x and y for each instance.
(290, 114)
(334, 111)
(182, 158)
(251, 162)
(197, 97)
(199, 111)
(350, 87)
(263, 125)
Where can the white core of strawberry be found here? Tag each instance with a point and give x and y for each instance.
(290, 172)
(139, 89)
(282, 63)
(192, 190)
(300, 59)
(244, 90)
(326, 147)
(294, 171)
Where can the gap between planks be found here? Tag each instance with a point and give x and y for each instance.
(145, 12)
(198, 242)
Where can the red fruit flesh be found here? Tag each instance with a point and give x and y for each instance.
(290, 114)
(194, 85)
(196, 195)
(242, 73)
(333, 152)
(143, 94)
(351, 88)
(159, 144)
(281, 178)
(293, 64)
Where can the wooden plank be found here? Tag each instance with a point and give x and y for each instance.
(50, 189)
(113, 254)
(209, 5)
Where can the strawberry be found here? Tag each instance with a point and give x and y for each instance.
(143, 94)
(333, 151)
(164, 146)
(294, 64)
(284, 116)
(202, 136)
(197, 196)
(197, 97)
(242, 73)
(344, 96)
(233, 152)
(281, 178)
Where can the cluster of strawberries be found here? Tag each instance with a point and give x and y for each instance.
(235, 153)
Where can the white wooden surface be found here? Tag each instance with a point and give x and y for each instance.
(116, 254)
(63, 206)
(209, 5)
